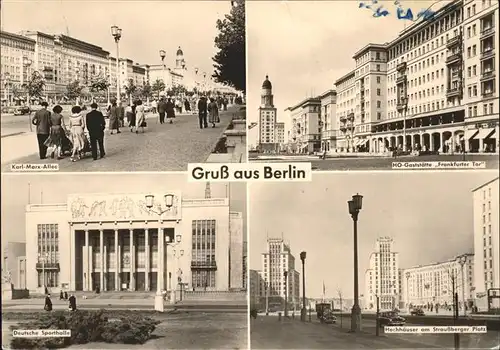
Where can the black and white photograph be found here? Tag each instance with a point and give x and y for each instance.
(335, 262)
(122, 86)
(356, 85)
(151, 261)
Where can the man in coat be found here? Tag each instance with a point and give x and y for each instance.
(42, 122)
(48, 303)
(162, 109)
(72, 303)
(96, 125)
(202, 112)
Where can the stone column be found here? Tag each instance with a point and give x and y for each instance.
(147, 267)
(160, 269)
(453, 143)
(132, 261)
(86, 268)
(101, 259)
(481, 142)
(106, 270)
(431, 142)
(117, 263)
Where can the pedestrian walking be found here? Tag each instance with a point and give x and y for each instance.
(225, 102)
(121, 115)
(213, 111)
(95, 125)
(61, 295)
(187, 107)
(48, 303)
(42, 121)
(65, 295)
(57, 133)
(170, 109)
(154, 106)
(77, 129)
(114, 121)
(202, 112)
(162, 109)
(72, 303)
(140, 117)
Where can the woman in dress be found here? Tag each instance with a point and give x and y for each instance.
(213, 110)
(170, 110)
(140, 116)
(114, 120)
(57, 132)
(77, 129)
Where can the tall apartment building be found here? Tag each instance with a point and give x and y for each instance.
(328, 120)
(433, 283)
(433, 88)
(486, 243)
(280, 135)
(382, 277)
(275, 261)
(268, 133)
(306, 126)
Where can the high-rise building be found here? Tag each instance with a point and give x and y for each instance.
(328, 120)
(486, 243)
(306, 129)
(381, 279)
(433, 284)
(268, 134)
(275, 261)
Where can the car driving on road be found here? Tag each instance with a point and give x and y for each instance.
(22, 110)
(390, 318)
(417, 312)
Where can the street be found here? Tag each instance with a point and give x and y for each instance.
(267, 332)
(181, 331)
(162, 147)
(380, 163)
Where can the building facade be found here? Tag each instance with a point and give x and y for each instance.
(434, 283)
(382, 278)
(432, 89)
(136, 242)
(255, 289)
(305, 127)
(328, 120)
(280, 136)
(268, 133)
(275, 261)
(486, 244)
(17, 54)
(14, 264)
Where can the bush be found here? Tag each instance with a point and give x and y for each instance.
(86, 327)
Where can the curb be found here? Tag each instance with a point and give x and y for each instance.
(14, 134)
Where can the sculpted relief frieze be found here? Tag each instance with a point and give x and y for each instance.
(123, 207)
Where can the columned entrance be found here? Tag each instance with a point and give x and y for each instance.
(120, 259)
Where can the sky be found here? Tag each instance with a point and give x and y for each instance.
(304, 46)
(51, 188)
(428, 215)
(147, 26)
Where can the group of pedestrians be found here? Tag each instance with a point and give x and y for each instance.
(63, 296)
(166, 108)
(210, 109)
(135, 114)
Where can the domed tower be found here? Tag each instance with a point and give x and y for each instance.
(179, 60)
(267, 94)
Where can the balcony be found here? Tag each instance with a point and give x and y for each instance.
(453, 92)
(401, 79)
(401, 67)
(350, 116)
(47, 266)
(402, 104)
(487, 32)
(455, 58)
(453, 41)
(487, 54)
(488, 75)
(204, 265)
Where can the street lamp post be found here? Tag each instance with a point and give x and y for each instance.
(157, 209)
(117, 34)
(266, 290)
(285, 274)
(462, 260)
(408, 291)
(172, 244)
(355, 205)
(42, 258)
(163, 54)
(304, 310)
(177, 255)
(7, 86)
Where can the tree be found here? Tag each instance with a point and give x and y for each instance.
(130, 89)
(147, 91)
(97, 84)
(74, 90)
(158, 87)
(230, 62)
(35, 85)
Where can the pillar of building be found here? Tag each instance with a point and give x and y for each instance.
(86, 268)
(481, 143)
(106, 269)
(147, 270)
(101, 259)
(160, 269)
(442, 143)
(453, 143)
(431, 142)
(117, 263)
(132, 262)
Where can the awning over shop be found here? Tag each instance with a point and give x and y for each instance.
(469, 134)
(363, 142)
(357, 142)
(485, 133)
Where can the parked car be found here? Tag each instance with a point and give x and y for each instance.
(22, 110)
(390, 318)
(417, 312)
(328, 318)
